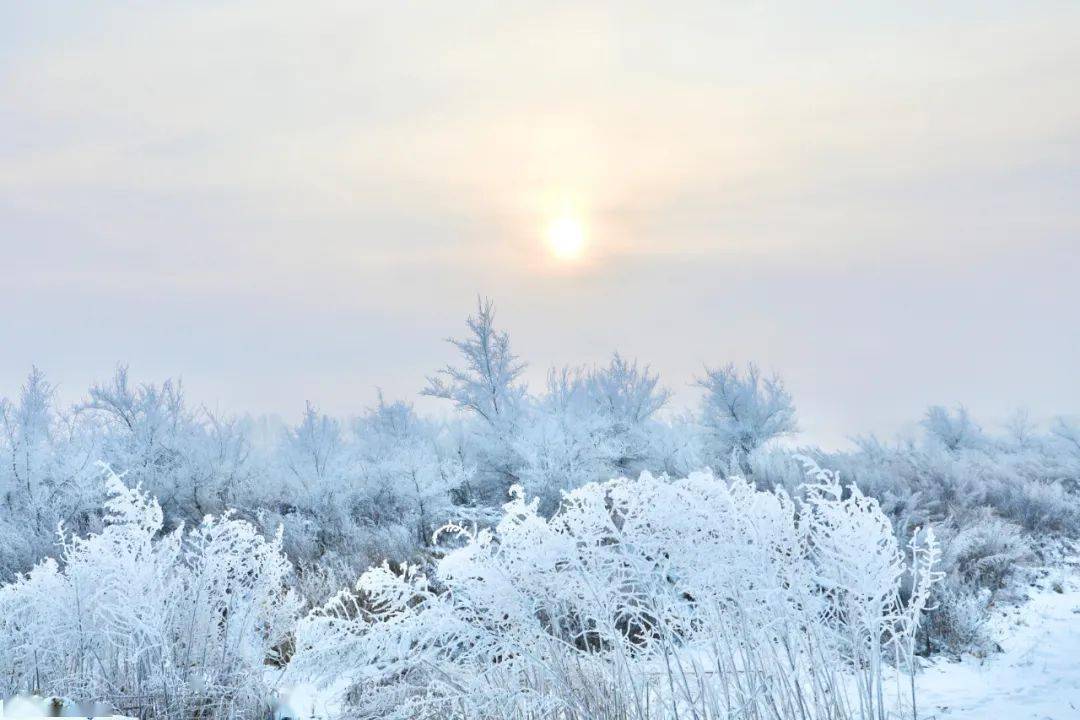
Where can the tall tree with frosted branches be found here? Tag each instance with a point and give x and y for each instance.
(488, 387)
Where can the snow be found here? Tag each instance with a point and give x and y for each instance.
(311, 702)
(41, 717)
(36, 708)
(1037, 674)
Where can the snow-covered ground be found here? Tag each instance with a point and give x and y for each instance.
(38, 708)
(1037, 674)
(308, 702)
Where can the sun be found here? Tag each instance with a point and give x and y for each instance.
(566, 238)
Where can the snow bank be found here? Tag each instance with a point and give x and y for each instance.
(1037, 674)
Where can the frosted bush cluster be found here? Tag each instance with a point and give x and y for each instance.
(643, 598)
(174, 625)
(997, 502)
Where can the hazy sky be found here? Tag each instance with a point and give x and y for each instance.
(283, 201)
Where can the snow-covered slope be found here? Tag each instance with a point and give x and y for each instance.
(1037, 674)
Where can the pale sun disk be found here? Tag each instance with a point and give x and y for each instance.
(566, 238)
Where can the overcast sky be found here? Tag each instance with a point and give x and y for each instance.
(290, 201)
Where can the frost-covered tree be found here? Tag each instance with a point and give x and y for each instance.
(314, 449)
(629, 396)
(399, 458)
(28, 434)
(488, 388)
(146, 431)
(488, 383)
(46, 475)
(363, 492)
(567, 442)
(195, 462)
(1022, 432)
(591, 424)
(1067, 433)
(228, 470)
(741, 411)
(952, 430)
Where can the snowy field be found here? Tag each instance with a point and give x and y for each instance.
(1036, 676)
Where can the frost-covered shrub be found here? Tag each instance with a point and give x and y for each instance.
(1038, 506)
(643, 598)
(980, 553)
(175, 625)
(958, 621)
(989, 497)
(984, 551)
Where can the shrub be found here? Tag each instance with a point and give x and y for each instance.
(985, 551)
(177, 625)
(641, 599)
